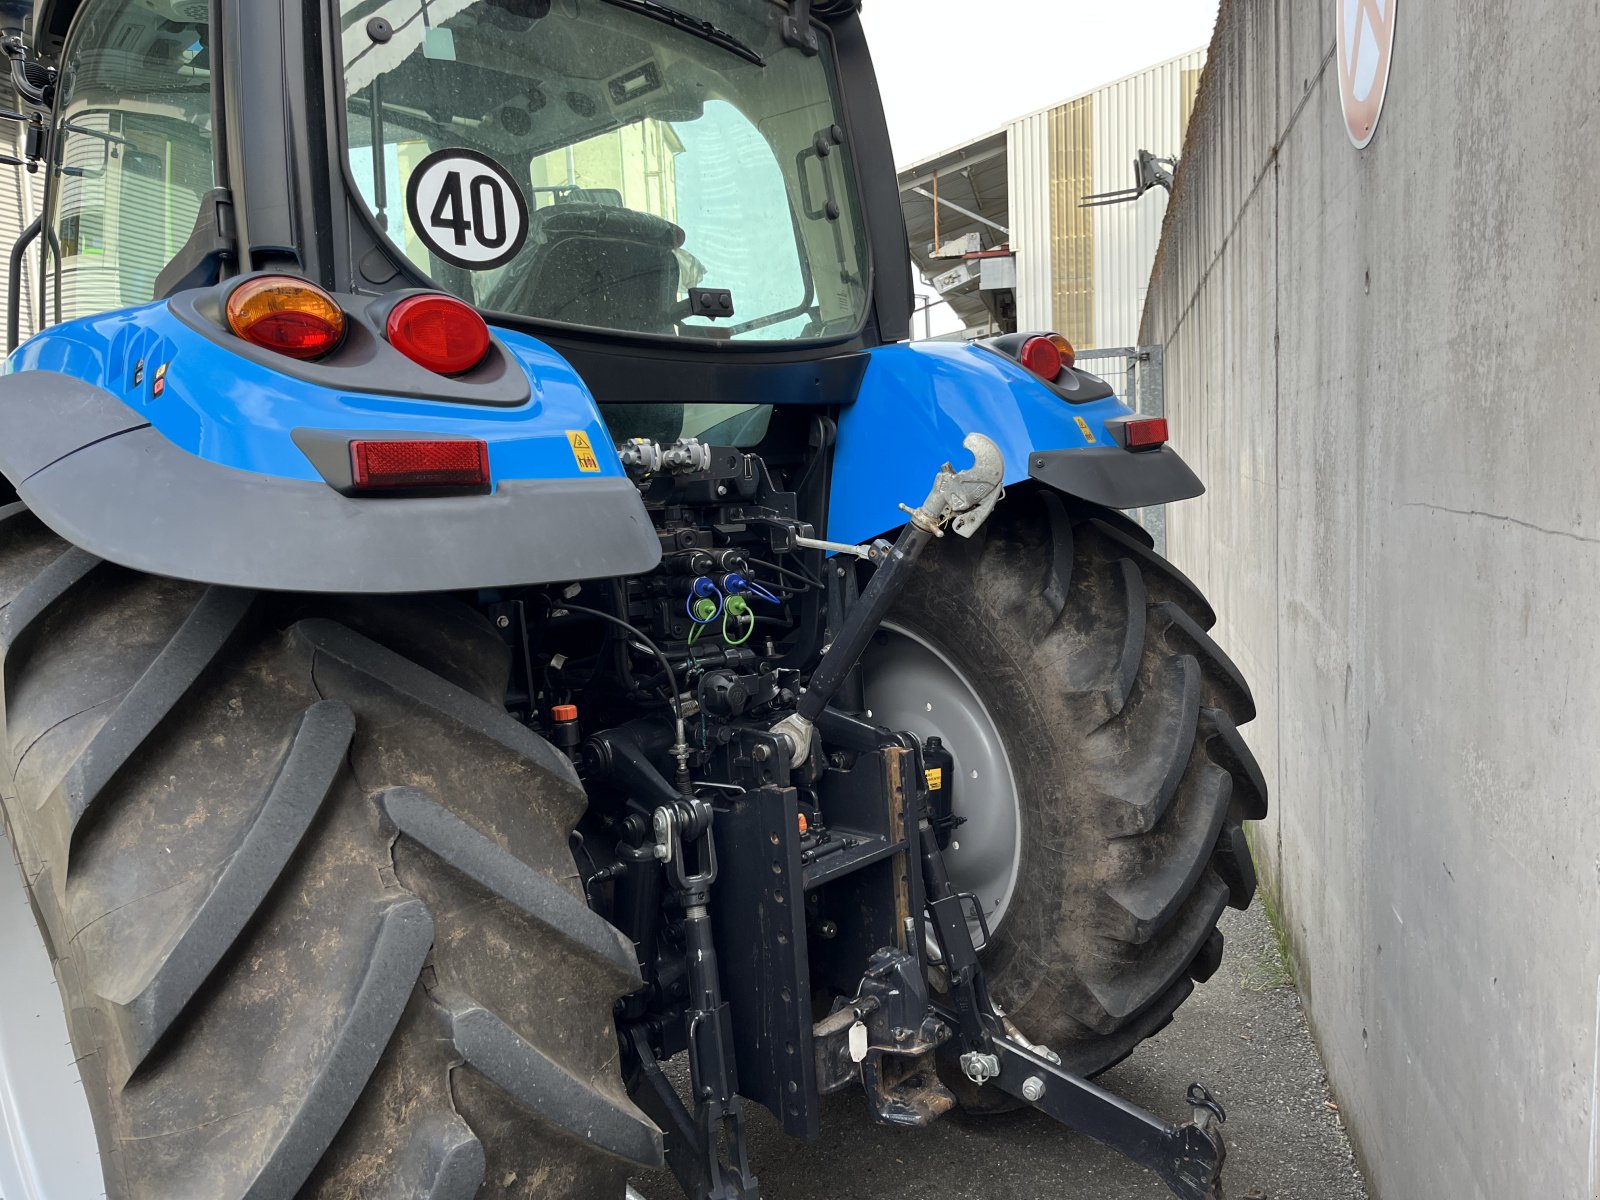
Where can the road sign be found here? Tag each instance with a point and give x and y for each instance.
(1365, 48)
(468, 209)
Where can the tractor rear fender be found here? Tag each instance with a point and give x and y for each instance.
(918, 401)
(147, 439)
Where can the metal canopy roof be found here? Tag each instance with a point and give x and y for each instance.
(973, 197)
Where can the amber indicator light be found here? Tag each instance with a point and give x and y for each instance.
(286, 315)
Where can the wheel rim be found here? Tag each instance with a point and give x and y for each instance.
(48, 1149)
(910, 684)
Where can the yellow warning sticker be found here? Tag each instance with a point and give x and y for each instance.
(583, 451)
(1083, 428)
(935, 778)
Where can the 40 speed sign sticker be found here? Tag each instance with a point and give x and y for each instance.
(467, 209)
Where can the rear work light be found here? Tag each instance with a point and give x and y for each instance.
(286, 315)
(456, 463)
(1047, 355)
(1145, 433)
(439, 333)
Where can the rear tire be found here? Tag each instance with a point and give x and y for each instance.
(308, 891)
(1120, 721)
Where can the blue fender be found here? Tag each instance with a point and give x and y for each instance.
(149, 443)
(918, 401)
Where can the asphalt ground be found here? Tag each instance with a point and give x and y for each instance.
(1242, 1034)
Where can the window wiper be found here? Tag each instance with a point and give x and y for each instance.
(704, 30)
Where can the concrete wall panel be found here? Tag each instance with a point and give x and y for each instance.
(1383, 363)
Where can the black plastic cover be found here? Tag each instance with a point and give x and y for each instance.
(1116, 478)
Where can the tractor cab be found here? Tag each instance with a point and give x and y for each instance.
(605, 168)
(681, 181)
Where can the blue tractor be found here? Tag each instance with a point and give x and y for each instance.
(487, 609)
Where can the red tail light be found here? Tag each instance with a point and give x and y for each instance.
(457, 463)
(1043, 357)
(1145, 433)
(286, 315)
(439, 333)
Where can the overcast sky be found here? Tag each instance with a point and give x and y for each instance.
(953, 69)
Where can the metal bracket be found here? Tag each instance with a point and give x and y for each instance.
(682, 825)
(797, 29)
(980, 1068)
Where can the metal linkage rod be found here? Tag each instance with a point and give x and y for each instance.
(1188, 1157)
(963, 499)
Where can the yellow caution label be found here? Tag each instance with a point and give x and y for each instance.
(935, 778)
(1083, 428)
(583, 451)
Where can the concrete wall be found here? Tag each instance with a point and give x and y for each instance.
(1384, 363)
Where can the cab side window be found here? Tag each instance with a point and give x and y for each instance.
(132, 153)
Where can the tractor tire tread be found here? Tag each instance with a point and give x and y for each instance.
(1123, 988)
(1182, 634)
(1122, 712)
(1155, 887)
(317, 926)
(1165, 581)
(455, 843)
(303, 783)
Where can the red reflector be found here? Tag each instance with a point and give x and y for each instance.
(1041, 356)
(420, 464)
(439, 333)
(1146, 433)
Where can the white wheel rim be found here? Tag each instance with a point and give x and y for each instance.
(48, 1149)
(910, 684)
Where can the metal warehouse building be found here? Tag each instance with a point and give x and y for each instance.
(996, 225)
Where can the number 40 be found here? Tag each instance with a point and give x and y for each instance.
(450, 212)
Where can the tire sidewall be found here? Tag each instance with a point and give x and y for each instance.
(1000, 665)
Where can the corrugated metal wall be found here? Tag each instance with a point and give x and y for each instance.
(1028, 182)
(1072, 249)
(1146, 111)
(1080, 271)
